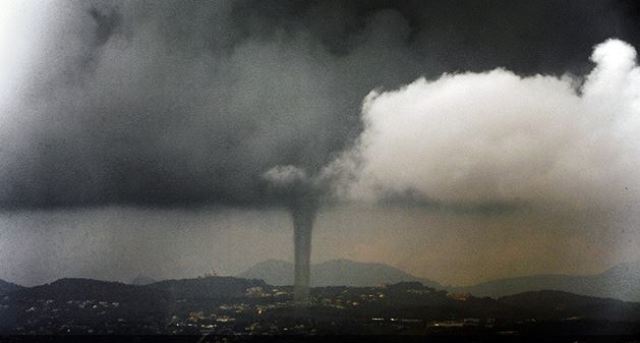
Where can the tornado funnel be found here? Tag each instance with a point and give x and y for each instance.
(300, 193)
(303, 217)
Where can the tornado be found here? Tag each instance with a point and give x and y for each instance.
(303, 214)
(300, 195)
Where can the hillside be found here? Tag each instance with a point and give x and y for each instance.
(207, 287)
(79, 304)
(339, 272)
(620, 282)
(6, 287)
(142, 280)
(226, 304)
(557, 304)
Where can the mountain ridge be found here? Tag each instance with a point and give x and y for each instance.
(618, 282)
(337, 272)
(621, 282)
(7, 287)
(75, 305)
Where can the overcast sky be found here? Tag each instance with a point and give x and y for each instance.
(458, 140)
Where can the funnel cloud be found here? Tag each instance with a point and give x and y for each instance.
(301, 198)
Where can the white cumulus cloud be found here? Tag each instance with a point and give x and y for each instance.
(473, 138)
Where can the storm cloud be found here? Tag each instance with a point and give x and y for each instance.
(179, 103)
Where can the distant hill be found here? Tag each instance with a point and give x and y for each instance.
(207, 287)
(339, 272)
(273, 272)
(77, 288)
(6, 287)
(84, 306)
(620, 282)
(558, 304)
(142, 280)
(85, 303)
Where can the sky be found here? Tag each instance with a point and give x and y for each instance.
(460, 141)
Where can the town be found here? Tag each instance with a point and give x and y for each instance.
(236, 307)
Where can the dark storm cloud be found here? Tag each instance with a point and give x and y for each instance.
(176, 103)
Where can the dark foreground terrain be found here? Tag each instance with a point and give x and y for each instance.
(235, 308)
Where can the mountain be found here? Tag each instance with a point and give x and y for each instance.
(620, 282)
(76, 288)
(207, 287)
(339, 272)
(228, 304)
(142, 280)
(6, 287)
(67, 305)
(273, 272)
(557, 304)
